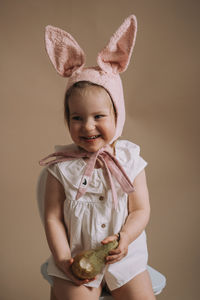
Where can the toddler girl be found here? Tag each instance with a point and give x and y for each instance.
(96, 189)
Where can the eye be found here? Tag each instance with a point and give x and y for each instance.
(98, 117)
(76, 118)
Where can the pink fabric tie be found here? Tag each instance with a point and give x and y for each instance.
(111, 164)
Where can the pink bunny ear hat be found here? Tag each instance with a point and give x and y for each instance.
(69, 59)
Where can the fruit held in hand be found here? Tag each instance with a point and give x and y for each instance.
(88, 264)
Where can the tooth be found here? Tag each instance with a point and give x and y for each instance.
(92, 137)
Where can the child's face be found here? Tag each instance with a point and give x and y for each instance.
(91, 118)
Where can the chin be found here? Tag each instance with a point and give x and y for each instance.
(92, 148)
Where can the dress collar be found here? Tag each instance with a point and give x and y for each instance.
(111, 164)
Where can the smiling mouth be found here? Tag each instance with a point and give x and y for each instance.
(93, 137)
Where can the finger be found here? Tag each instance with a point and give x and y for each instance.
(85, 281)
(116, 257)
(114, 252)
(71, 260)
(114, 260)
(109, 239)
(92, 279)
(112, 257)
(79, 281)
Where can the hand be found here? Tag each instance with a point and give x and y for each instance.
(65, 267)
(120, 252)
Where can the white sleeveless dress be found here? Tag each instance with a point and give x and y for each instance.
(92, 218)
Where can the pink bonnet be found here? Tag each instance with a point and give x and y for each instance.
(69, 59)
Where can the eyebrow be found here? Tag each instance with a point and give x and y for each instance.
(95, 113)
(75, 113)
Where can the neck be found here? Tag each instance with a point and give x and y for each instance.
(109, 148)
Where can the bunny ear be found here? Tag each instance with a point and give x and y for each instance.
(116, 55)
(64, 52)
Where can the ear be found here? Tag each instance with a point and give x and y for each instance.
(64, 52)
(116, 55)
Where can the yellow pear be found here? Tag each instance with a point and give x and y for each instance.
(89, 263)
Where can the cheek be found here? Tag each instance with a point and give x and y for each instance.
(109, 127)
(73, 129)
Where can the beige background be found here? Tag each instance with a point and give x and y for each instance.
(162, 101)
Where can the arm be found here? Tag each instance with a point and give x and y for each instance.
(54, 225)
(138, 217)
(55, 229)
(139, 209)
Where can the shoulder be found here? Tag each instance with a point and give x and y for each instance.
(69, 169)
(127, 149)
(128, 155)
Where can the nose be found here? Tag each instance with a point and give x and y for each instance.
(89, 125)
